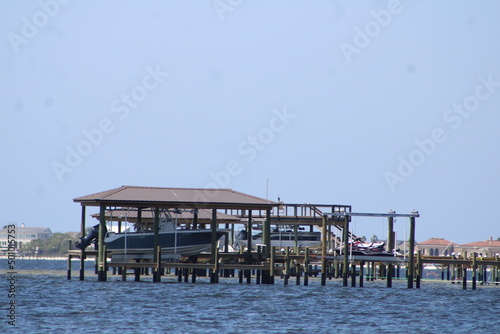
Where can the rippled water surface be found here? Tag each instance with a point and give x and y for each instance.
(53, 304)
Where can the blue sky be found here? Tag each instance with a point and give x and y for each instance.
(377, 104)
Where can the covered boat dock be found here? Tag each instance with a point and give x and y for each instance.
(140, 198)
(195, 208)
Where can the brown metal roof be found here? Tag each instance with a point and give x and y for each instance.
(148, 214)
(132, 196)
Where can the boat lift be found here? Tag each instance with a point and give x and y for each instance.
(390, 241)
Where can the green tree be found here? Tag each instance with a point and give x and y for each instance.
(57, 244)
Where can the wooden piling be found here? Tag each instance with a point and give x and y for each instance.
(82, 252)
(271, 266)
(266, 234)
(214, 276)
(259, 260)
(353, 275)
(345, 265)
(390, 269)
(323, 251)
(361, 273)
(287, 265)
(495, 270)
(157, 271)
(464, 277)
(474, 270)
(68, 276)
(249, 237)
(295, 239)
(419, 268)
(411, 255)
(248, 273)
(297, 276)
(156, 245)
(390, 248)
(213, 225)
(101, 273)
(306, 267)
(137, 273)
(193, 275)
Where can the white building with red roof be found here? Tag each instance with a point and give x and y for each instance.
(487, 248)
(437, 247)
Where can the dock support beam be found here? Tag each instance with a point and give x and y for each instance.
(464, 277)
(287, 265)
(249, 237)
(419, 269)
(68, 275)
(345, 265)
(306, 267)
(267, 234)
(361, 273)
(353, 275)
(101, 268)
(195, 219)
(213, 224)
(411, 256)
(157, 270)
(156, 244)
(271, 265)
(295, 240)
(266, 239)
(82, 252)
(390, 248)
(323, 251)
(474, 270)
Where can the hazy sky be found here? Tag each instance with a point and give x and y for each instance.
(377, 104)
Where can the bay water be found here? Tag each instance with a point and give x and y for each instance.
(46, 302)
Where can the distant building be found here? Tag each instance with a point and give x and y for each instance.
(24, 235)
(437, 247)
(488, 248)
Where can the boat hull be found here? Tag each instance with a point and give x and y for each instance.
(287, 239)
(186, 243)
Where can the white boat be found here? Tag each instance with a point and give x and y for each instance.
(172, 240)
(282, 238)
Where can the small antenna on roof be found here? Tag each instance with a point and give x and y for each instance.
(267, 186)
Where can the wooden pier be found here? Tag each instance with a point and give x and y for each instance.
(285, 265)
(260, 263)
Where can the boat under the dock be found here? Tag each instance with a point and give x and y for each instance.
(184, 242)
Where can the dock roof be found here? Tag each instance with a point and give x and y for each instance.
(145, 197)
